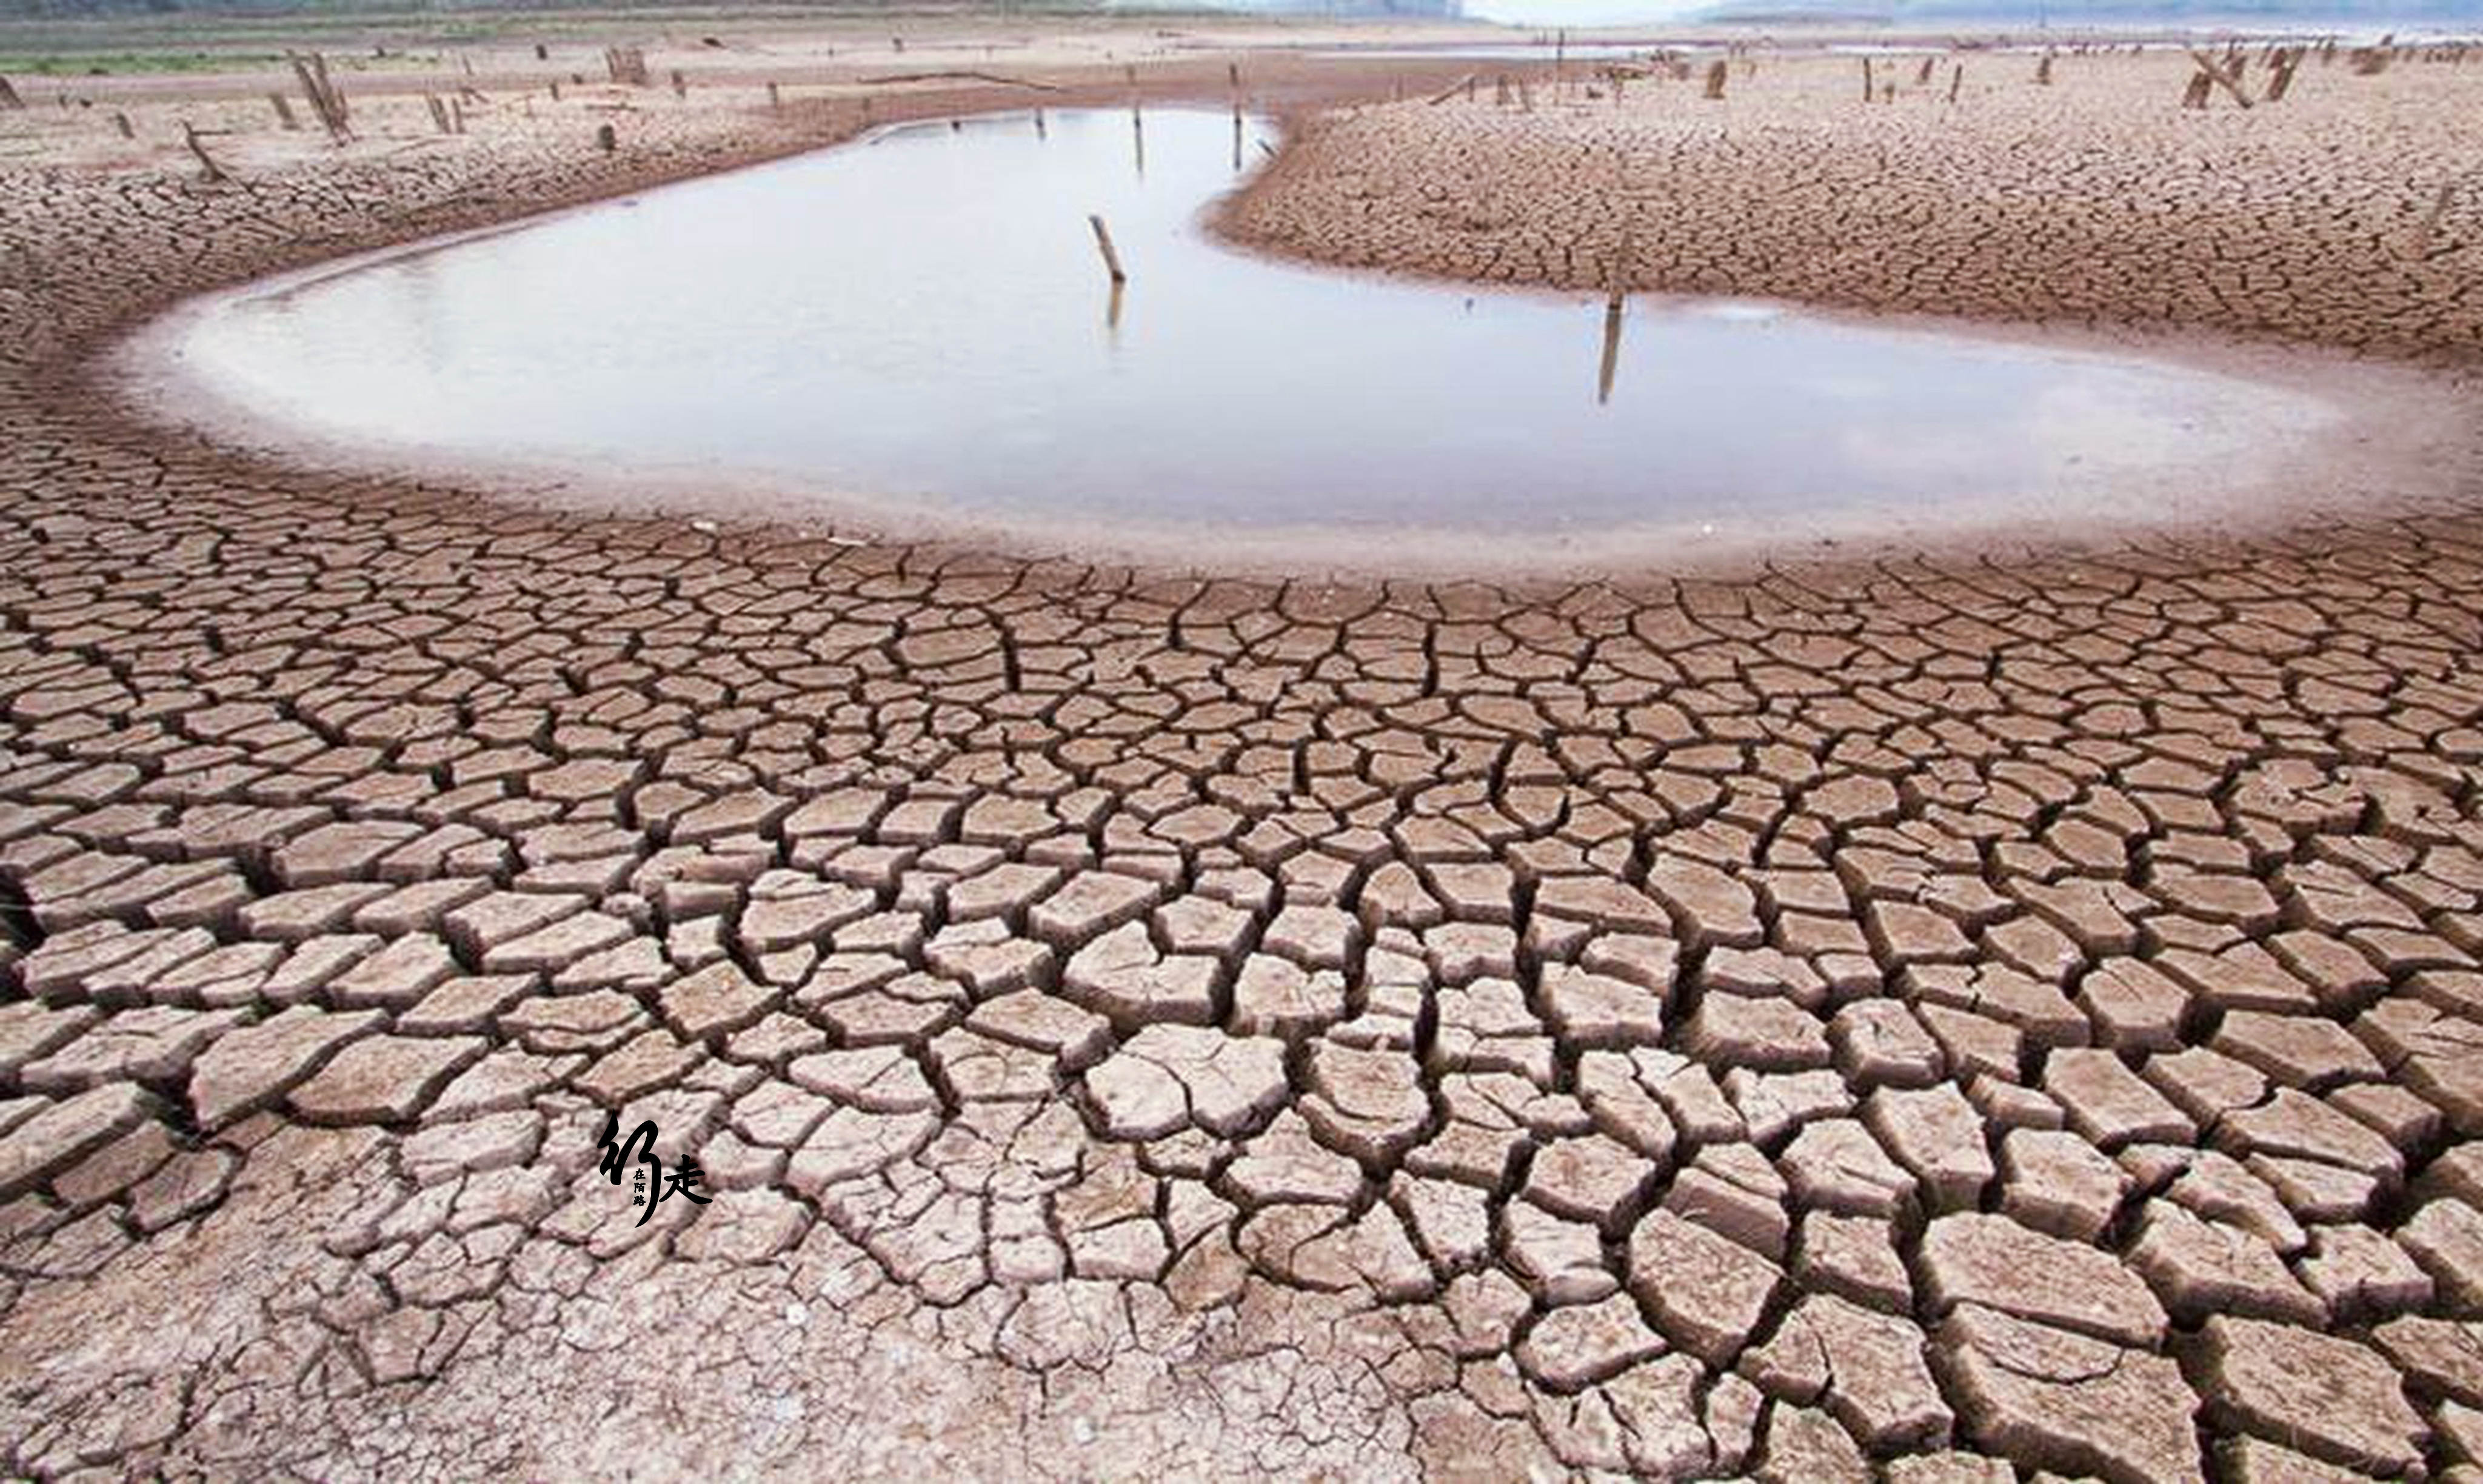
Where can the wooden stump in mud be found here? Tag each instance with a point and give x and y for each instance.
(1716, 78)
(2043, 71)
(627, 65)
(214, 173)
(283, 113)
(327, 99)
(2196, 94)
(775, 99)
(604, 138)
(543, 53)
(2225, 74)
(120, 121)
(681, 85)
(1869, 89)
(9, 98)
(1923, 73)
(439, 114)
(1956, 80)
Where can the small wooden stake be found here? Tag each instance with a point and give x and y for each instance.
(283, 112)
(120, 121)
(214, 172)
(1868, 91)
(1716, 78)
(1611, 348)
(1104, 244)
(2223, 76)
(2431, 218)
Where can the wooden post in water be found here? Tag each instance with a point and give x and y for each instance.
(1138, 137)
(1104, 244)
(1611, 348)
(1040, 132)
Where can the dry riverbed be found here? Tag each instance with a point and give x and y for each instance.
(1946, 1016)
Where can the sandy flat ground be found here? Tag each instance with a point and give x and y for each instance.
(1947, 1017)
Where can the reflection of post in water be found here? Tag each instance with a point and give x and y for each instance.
(1040, 131)
(1138, 136)
(1611, 348)
(1113, 266)
(1237, 135)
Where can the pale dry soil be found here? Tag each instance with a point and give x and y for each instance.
(1943, 1019)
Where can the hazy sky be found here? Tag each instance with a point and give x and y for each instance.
(1580, 13)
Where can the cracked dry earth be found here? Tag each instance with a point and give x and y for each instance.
(1951, 1020)
(2350, 213)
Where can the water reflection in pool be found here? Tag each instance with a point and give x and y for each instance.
(925, 317)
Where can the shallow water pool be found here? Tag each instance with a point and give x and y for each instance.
(917, 331)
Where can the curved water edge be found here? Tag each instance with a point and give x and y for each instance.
(913, 336)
